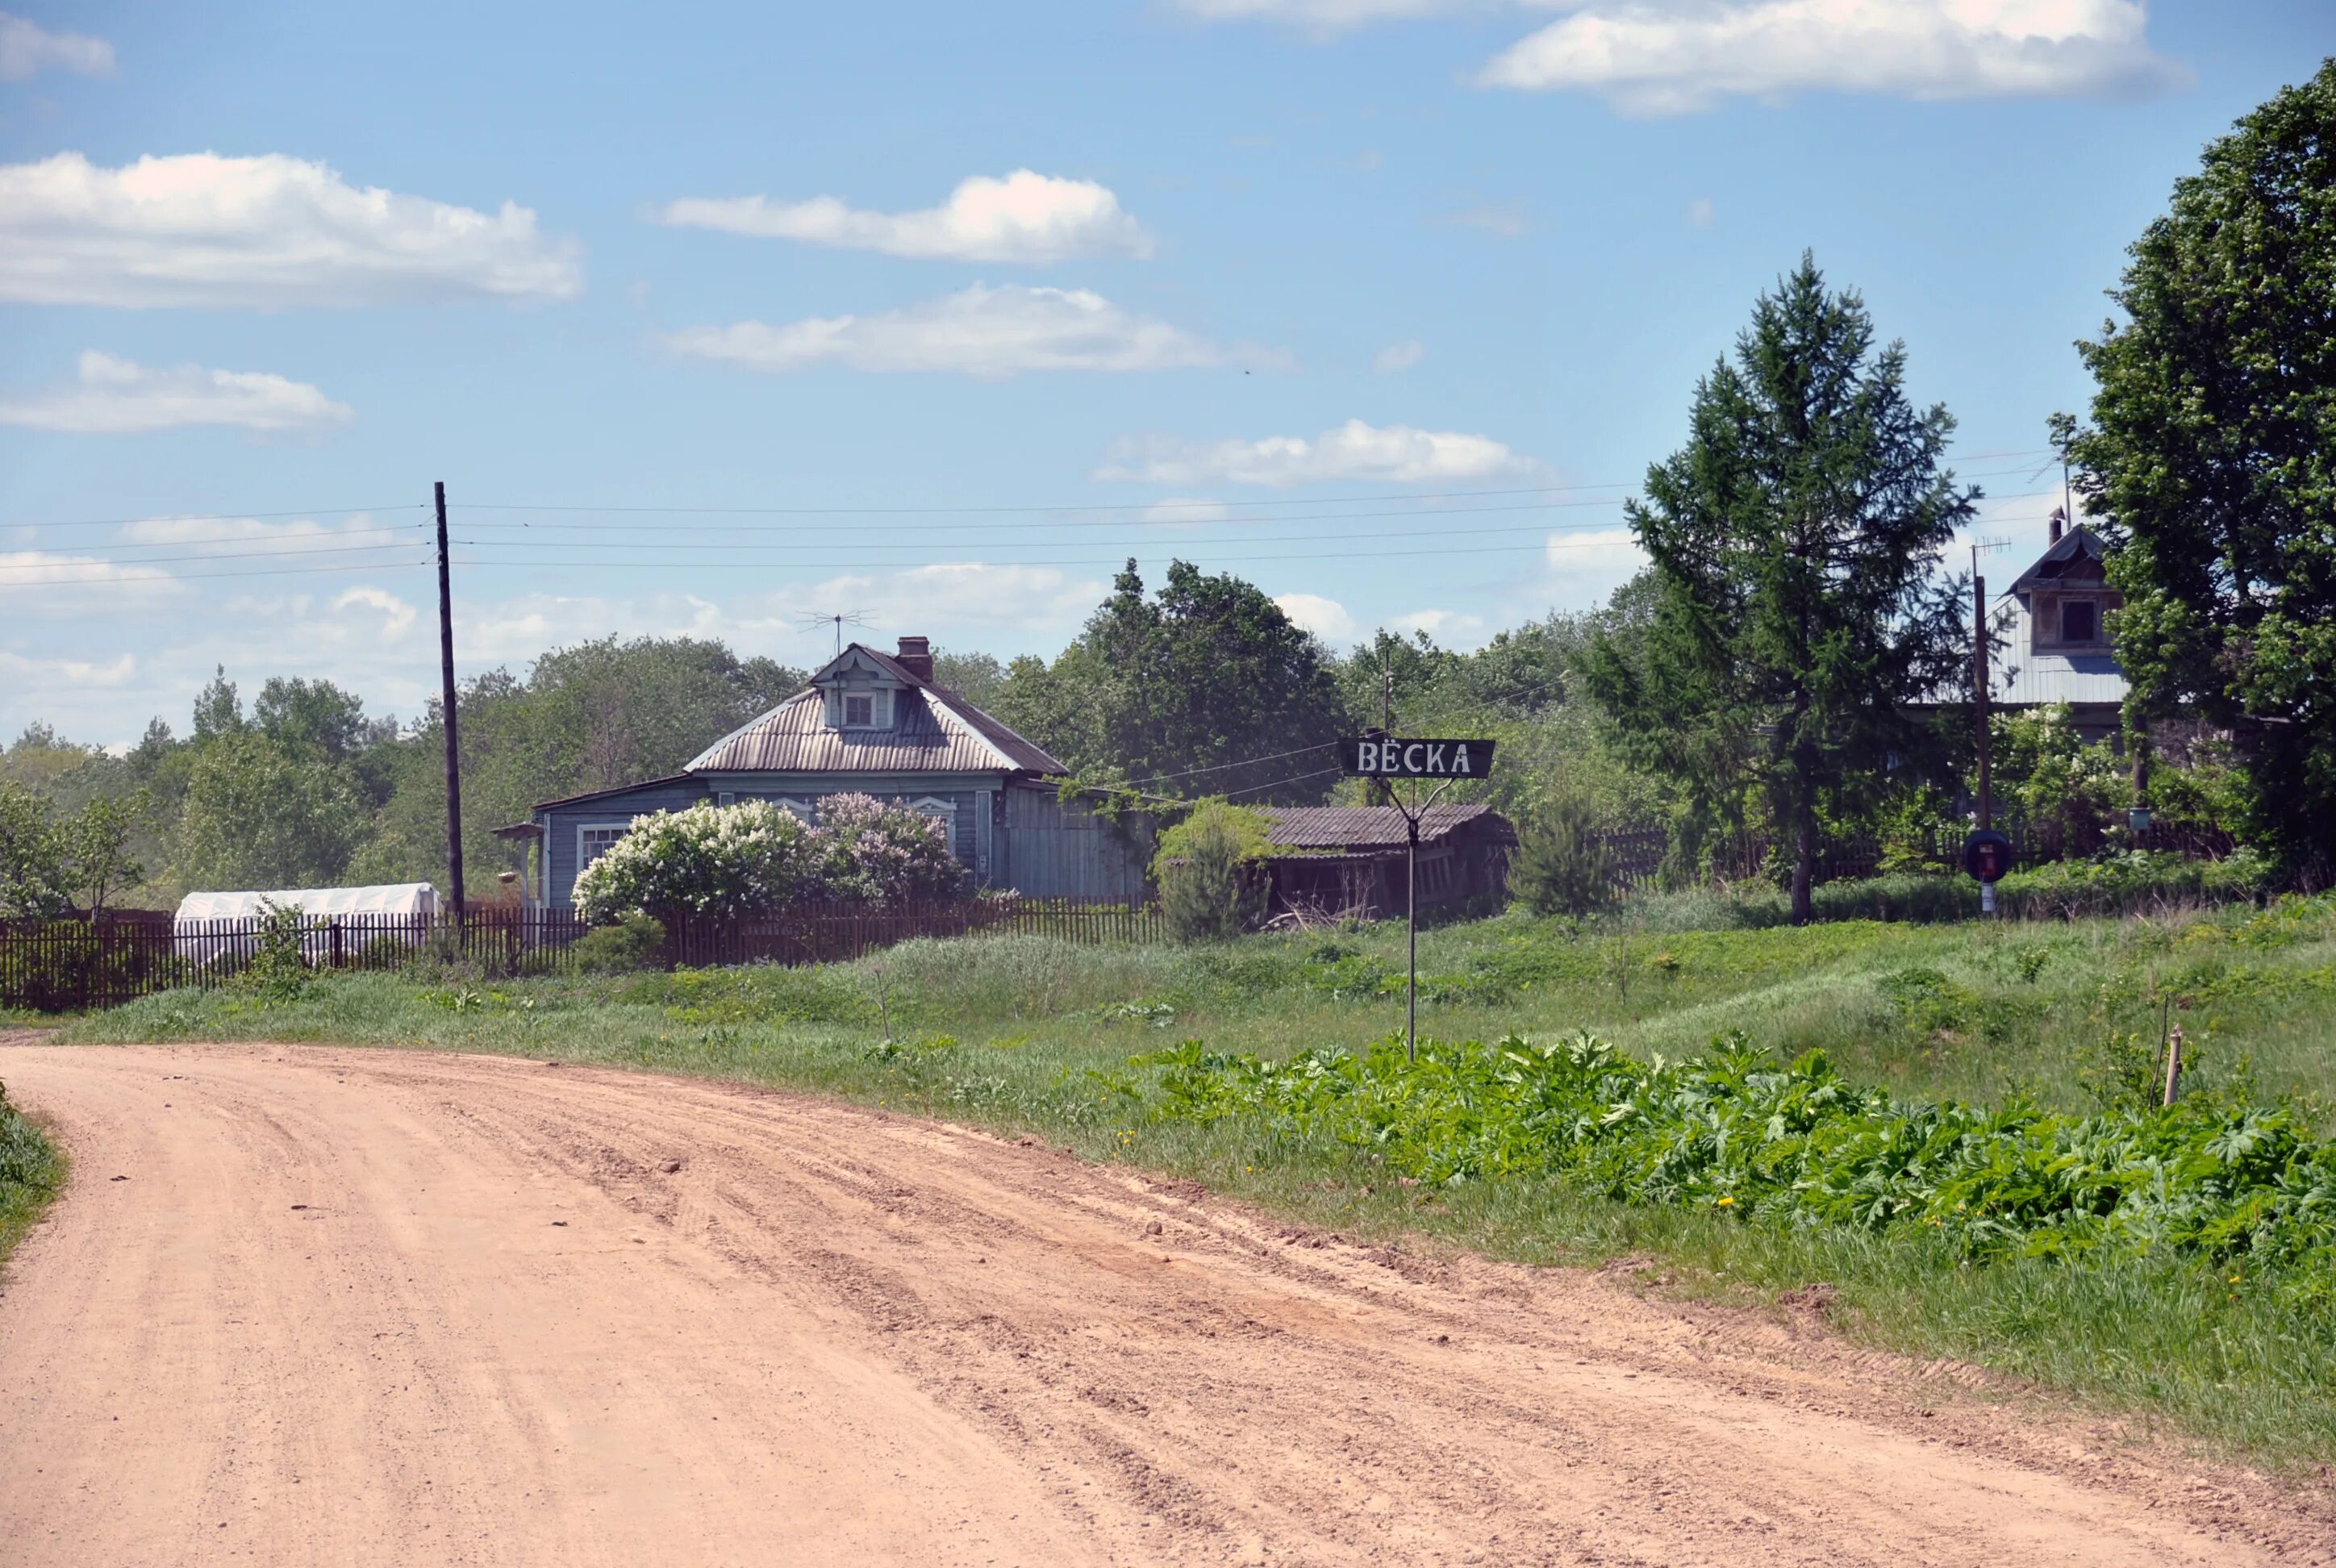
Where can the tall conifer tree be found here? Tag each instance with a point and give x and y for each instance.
(1800, 610)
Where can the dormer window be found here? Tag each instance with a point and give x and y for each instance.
(859, 710)
(2080, 620)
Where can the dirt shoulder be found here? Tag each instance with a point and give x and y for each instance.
(304, 1304)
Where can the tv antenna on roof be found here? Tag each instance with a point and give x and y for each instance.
(839, 620)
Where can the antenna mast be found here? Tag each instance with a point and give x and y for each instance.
(839, 619)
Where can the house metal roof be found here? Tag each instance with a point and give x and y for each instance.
(2019, 677)
(1371, 827)
(604, 795)
(2076, 552)
(933, 730)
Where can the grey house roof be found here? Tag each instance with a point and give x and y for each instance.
(933, 730)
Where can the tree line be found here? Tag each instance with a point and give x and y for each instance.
(1791, 671)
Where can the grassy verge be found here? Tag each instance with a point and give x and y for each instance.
(31, 1169)
(1029, 1036)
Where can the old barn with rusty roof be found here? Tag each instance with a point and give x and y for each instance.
(872, 723)
(1353, 861)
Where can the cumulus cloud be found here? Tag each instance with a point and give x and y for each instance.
(40, 584)
(27, 49)
(1024, 217)
(990, 334)
(258, 233)
(1325, 618)
(1398, 356)
(235, 535)
(51, 673)
(1354, 452)
(1453, 628)
(1679, 56)
(396, 615)
(113, 397)
(1585, 568)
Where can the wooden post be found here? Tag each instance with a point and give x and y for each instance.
(1411, 922)
(2173, 1064)
(1979, 701)
(453, 743)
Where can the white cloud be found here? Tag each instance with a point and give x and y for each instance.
(1186, 509)
(72, 672)
(986, 332)
(1320, 18)
(396, 615)
(258, 233)
(1398, 356)
(1585, 568)
(1701, 213)
(1354, 452)
(235, 534)
(1679, 56)
(26, 49)
(39, 584)
(115, 396)
(1453, 628)
(1325, 618)
(1024, 217)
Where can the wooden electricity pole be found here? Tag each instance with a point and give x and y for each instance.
(1979, 700)
(453, 742)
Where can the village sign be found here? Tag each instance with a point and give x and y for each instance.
(1383, 756)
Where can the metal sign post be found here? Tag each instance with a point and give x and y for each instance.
(1379, 756)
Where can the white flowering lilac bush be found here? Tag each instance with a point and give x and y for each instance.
(726, 863)
(871, 850)
(706, 863)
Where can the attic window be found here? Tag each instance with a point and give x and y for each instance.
(2080, 620)
(859, 710)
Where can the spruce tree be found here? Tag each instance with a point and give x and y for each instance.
(1800, 610)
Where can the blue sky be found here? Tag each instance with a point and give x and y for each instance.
(1395, 299)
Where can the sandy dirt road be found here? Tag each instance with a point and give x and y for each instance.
(317, 1306)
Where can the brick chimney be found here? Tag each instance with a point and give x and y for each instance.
(916, 656)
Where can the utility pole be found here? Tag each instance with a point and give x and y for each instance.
(1387, 720)
(1978, 699)
(453, 743)
(1411, 924)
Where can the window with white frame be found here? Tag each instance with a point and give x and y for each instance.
(942, 811)
(866, 709)
(593, 840)
(803, 812)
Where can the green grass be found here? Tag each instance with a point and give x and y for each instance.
(1032, 1036)
(31, 1169)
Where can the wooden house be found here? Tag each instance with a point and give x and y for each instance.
(1352, 860)
(871, 723)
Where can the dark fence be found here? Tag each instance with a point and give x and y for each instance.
(57, 966)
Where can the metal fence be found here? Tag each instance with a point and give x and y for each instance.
(58, 966)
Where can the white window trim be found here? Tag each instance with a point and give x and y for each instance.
(945, 810)
(802, 811)
(625, 825)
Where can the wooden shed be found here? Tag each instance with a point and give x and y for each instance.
(1335, 862)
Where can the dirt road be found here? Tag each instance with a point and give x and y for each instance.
(311, 1306)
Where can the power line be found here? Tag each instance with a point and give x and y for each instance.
(1221, 767)
(237, 538)
(1077, 522)
(7, 565)
(206, 576)
(218, 516)
(1276, 784)
(1139, 506)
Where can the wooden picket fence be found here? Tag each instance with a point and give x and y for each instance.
(68, 965)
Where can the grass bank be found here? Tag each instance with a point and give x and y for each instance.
(1026, 1035)
(31, 1171)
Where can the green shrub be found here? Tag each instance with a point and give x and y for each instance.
(1561, 866)
(1211, 885)
(634, 943)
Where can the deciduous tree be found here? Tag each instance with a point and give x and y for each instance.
(2211, 456)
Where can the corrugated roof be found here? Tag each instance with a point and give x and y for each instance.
(933, 730)
(2076, 550)
(1370, 827)
(619, 790)
(2019, 677)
